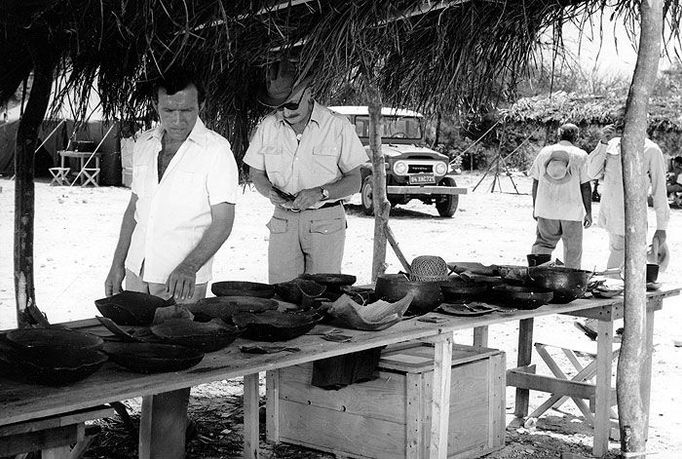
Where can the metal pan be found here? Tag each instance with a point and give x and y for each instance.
(152, 358)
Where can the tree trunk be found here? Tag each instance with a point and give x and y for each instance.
(632, 407)
(382, 207)
(24, 191)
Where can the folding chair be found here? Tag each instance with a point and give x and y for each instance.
(90, 175)
(586, 371)
(59, 175)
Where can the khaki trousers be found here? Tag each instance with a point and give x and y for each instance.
(310, 241)
(550, 231)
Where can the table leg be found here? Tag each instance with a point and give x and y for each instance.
(163, 424)
(272, 405)
(440, 405)
(602, 396)
(251, 427)
(481, 336)
(645, 390)
(523, 359)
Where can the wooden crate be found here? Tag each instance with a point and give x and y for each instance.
(390, 416)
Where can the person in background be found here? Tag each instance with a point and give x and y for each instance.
(562, 204)
(675, 176)
(605, 163)
(180, 212)
(305, 159)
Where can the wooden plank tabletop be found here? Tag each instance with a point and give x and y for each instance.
(21, 402)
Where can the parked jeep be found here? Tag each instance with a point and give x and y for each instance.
(413, 171)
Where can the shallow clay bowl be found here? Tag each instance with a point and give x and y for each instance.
(153, 358)
(523, 297)
(204, 336)
(224, 307)
(275, 325)
(131, 308)
(239, 288)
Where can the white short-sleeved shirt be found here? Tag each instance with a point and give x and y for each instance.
(328, 148)
(171, 216)
(560, 201)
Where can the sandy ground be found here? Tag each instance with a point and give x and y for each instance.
(76, 230)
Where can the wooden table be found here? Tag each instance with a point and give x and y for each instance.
(21, 402)
(88, 170)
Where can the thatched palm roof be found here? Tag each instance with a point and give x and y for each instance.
(665, 112)
(421, 54)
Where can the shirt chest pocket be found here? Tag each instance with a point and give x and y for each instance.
(273, 156)
(326, 156)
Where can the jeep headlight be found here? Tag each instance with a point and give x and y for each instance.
(400, 168)
(440, 168)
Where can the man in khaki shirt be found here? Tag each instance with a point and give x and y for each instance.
(305, 159)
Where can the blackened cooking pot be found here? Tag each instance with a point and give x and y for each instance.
(566, 283)
(427, 295)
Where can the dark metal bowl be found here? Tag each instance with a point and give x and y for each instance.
(275, 325)
(330, 280)
(427, 295)
(523, 297)
(204, 336)
(36, 341)
(153, 358)
(224, 307)
(566, 283)
(462, 291)
(51, 367)
(131, 308)
(294, 290)
(239, 288)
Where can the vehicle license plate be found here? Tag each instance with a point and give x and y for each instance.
(422, 179)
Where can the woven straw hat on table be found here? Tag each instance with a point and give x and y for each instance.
(428, 268)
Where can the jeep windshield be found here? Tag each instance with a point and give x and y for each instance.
(394, 127)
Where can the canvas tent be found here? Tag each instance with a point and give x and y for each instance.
(64, 120)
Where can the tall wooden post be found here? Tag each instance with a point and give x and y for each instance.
(382, 207)
(24, 190)
(632, 408)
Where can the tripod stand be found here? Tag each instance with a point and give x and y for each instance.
(499, 165)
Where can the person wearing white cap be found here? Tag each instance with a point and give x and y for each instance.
(305, 159)
(562, 204)
(605, 163)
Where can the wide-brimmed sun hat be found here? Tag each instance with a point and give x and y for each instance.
(281, 82)
(557, 167)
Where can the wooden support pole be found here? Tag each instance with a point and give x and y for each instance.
(24, 191)
(632, 409)
(382, 207)
(396, 248)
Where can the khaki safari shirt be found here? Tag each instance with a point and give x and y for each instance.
(328, 148)
(171, 216)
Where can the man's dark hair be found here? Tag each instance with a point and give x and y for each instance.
(177, 80)
(568, 132)
(677, 160)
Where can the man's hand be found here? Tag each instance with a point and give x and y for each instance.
(608, 133)
(307, 198)
(277, 200)
(660, 235)
(181, 282)
(114, 281)
(587, 222)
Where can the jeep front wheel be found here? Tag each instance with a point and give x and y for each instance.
(447, 204)
(366, 196)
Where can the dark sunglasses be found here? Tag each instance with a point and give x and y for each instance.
(292, 105)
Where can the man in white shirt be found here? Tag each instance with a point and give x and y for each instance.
(605, 163)
(182, 205)
(561, 197)
(181, 211)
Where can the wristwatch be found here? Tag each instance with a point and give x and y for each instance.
(325, 193)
